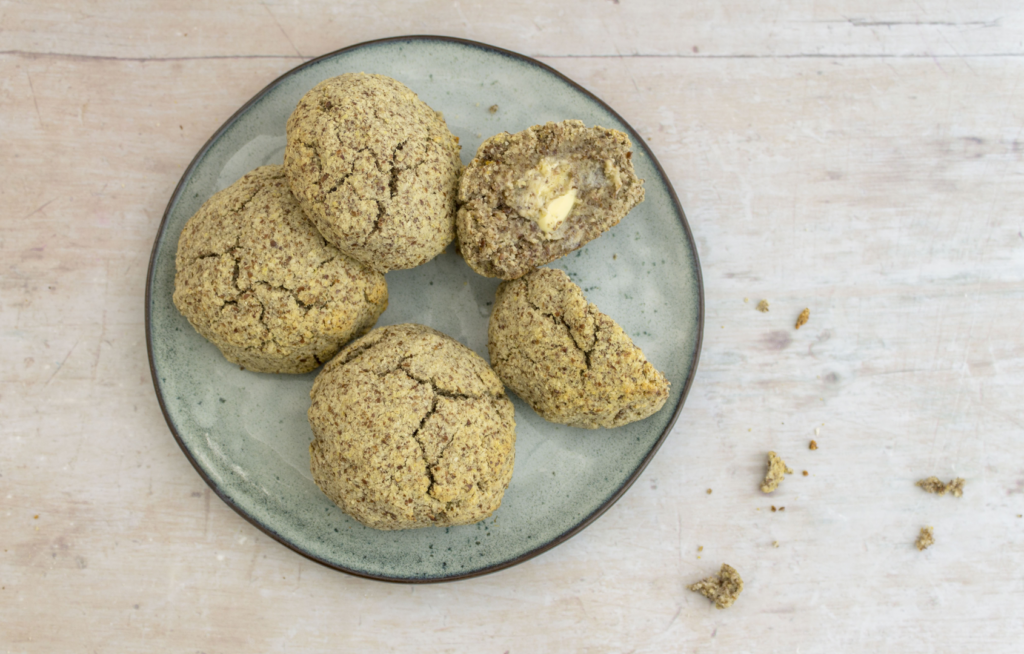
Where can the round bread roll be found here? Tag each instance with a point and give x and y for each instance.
(256, 279)
(529, 198)
(412, 429)
(376, 170)
(573, 364)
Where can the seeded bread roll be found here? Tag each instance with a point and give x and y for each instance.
(529, 198)
(412, 429)
(573, 364)
(256, 279)
(375, 169)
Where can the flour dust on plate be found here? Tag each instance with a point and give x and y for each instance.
(247, 433)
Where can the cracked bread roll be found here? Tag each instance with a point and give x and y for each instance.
(573, 364)
(256, 279)
(375, 169)
(411, 429)
(529, 198)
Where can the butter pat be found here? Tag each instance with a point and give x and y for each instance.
(546, 195)
(556, 212)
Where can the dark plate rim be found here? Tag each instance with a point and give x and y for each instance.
(561, 538)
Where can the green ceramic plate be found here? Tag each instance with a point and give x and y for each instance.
(246, 433)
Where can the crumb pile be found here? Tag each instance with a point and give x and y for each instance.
(722, 588)
(925, 539)
(802, 319)
(932, 485)
(777, 469)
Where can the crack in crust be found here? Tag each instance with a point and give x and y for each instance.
(572, 333)
(353, 143)
(411, 429)
(423, 448)
(255, 278)
(567, 360)
(436, 394)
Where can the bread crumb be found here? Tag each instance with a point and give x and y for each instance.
(762, 306)
(774, 509)
(782, 508)
(933, 485)
(746, 299)
(700, 548)
(493, 109)
(709, 491)
(722, 589)
(775, 543)
(925, 539)
(805, 473)
(776, 468)
(956, 487)
(802, 319)
(813, 445)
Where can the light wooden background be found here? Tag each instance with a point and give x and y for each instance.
(860, 158)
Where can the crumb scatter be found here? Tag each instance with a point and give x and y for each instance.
(762, 306)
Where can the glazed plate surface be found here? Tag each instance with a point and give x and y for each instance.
(246, 433)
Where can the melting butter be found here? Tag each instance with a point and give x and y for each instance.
(556, 212)
(546, 195)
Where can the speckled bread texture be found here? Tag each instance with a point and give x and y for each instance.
(412, 429)
(375, 168)
(496, 237)
(573, 364)
(256, 278)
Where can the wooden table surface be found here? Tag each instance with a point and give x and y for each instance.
(862, 159)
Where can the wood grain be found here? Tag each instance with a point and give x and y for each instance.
(860, 159)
